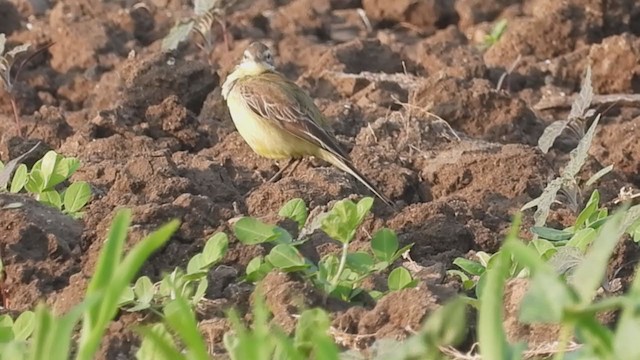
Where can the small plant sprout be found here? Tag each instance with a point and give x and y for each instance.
(45, 177)
(339, 275)
(496, 33)
(206, 12)
(189, 285)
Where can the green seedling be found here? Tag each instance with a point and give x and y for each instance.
(265, 341)
(42, 180)
(339, 276)
(179, 321)
(43, 335)
(496, 33)
(206, 12)
(190, 284)
(563, 249)
(444, 328)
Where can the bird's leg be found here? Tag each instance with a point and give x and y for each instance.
(278, 175)
(295, 166)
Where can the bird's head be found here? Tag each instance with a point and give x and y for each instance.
(257, 58)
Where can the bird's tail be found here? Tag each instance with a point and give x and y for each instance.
(346, 166)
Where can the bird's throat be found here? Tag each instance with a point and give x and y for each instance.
(243, 70)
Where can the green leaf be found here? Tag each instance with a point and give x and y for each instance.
(446, 326)
(127, 297)
(157, 344)
(384, 244)
(286, 258)
(112, 275)
(36, 183)
(343, 220)
(360, 262)
(296, 210)
(144, 289)
(327, 269)
(469, 266)
(67, 166)
(589, 274)
(548, 295)
(545, 300)
(498, 29)
(76, 196)
(251, 231)
(401, 252)
(634, 231)
(8, 169)
(311, 336)
(364, 206)
(551, 234)
(215, 249)
(182, 321)
(195, 264)
(201, 290)
(544, 248)
(582, 239)
(399, 278)
(20, 178)
(588, 211)
(48, 166)
(6, 321)
(257, 269)
(51, 198)
(52, 336)
(24, 325)
(490, 332)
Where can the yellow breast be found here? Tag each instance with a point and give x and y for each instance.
(264, 137)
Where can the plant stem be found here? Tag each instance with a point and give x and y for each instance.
(16, 116)
(565, 335)
(343, 261)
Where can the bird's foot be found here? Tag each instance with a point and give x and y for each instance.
(280, 174)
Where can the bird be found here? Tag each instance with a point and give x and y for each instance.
(278, 119)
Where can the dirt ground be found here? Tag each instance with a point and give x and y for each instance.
(154, 135)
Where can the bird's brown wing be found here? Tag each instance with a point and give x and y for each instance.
(276, 99)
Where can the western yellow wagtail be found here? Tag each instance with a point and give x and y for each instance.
(278, 119)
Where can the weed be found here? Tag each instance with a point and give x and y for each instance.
(205, 13)
(567, 183)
